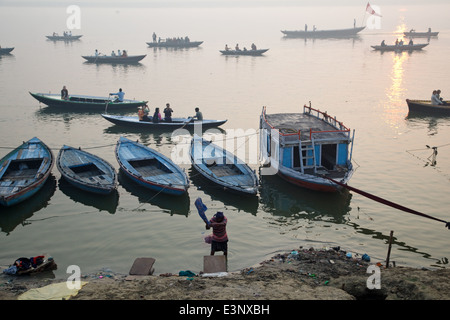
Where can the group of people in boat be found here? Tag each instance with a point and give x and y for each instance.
(236, 48)
(143, 114)
(171, 40)
(65, 34)
(436, 98)
(123, 53)
(398, 43)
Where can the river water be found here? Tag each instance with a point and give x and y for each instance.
(364, 89)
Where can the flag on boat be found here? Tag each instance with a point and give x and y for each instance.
(370, 10)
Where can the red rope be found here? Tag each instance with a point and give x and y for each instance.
(389, 203)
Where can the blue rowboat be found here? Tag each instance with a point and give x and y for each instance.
(222, 167)
(150, 168)
(86, 171)
(24, 171)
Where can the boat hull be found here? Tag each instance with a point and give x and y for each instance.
(174, 44)
(86, 171)
(243, 52)
(337, 33)
(17, 185)
(425, 107)
(176, 123)
(413, 47)
(114, 60)
(128, 151)
(420, 34)
(80, 102)
(233, 175)
(6, 50)
(64, 38)
(309, 182)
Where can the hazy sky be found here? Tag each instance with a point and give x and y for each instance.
(228, 3)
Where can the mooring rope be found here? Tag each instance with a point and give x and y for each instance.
(389, 203)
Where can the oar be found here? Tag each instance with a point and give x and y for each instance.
(107, 102)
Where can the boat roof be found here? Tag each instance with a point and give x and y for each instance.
(292, 123)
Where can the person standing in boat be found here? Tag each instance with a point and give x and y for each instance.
(64, 93)
(253, 46)
(237, 47)
(168, 113)
(119, 95)
(154, 37)
(219, 240)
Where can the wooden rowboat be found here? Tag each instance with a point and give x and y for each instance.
(174, 44)
(425, 106)
(257, 52)
(222, 167)
(84, 102)
(114, 59)
(177, 123)
(86, 171)
(406, 47)
(414, 34)
(24, 171)
(6, 50)
(64, 38)
(150, 168)
(336, 33)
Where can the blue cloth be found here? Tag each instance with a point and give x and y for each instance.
(201, 208)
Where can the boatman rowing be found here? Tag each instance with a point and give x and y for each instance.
(119, 95)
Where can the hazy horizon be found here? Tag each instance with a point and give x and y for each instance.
(216, 3)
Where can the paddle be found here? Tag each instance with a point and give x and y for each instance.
(201, 208)
(107, 102)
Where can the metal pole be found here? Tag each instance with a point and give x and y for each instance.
(389, 249)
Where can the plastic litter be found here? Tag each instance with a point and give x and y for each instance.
(365, 257)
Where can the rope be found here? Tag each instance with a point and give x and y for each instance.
(389, 203)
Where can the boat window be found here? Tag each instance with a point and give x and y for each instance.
(329, 156)
(297, 157)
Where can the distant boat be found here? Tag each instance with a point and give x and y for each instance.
(405, 47)
(168, 43)
(425, 106)
(222, 168)
(64, 38)
(86, 171)
(6, 50)
(414, 34)
(257, 52)
(24, 171)
(336, 33)
(306, 148)
(114, 59)
(176, 123)
(149, 168)
(82, 102)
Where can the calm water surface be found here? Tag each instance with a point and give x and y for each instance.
(364, 89)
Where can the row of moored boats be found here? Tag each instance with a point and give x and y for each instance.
(25, 170)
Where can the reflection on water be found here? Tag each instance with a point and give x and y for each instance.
(107, 203)
(282, 199)
(11, 217)
(180, 205)
(245, 203)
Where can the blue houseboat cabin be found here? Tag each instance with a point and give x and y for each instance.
(306, 148)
